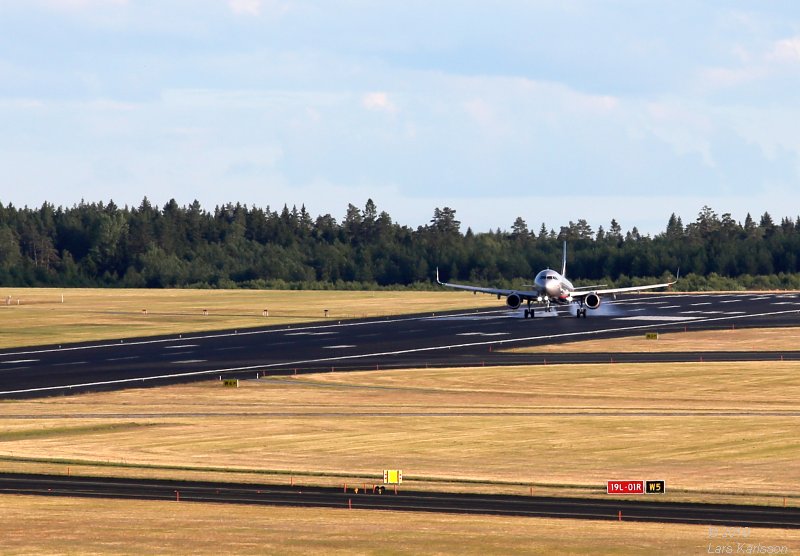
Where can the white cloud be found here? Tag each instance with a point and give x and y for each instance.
(786, 50)
(245, 7)
(378, 101)
(69, 5)
(685, 129)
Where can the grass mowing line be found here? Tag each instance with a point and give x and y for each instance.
(723, 454)
(54, 432)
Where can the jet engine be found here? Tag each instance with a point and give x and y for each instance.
(514, 301)
(592, 301)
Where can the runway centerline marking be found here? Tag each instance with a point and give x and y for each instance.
(343, 346)
(227, 334)
(182, 346)
(15, 361)
(285, 364)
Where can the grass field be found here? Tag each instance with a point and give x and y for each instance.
(37, 316)
(722, 429)
(31, 525)
(714, 432)
(729, 339)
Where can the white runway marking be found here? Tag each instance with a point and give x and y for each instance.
(309, 333)
(669, 307)
(181, 346)
(698, 304)
(123, 358)
(188, 361)
(657, 318)
(288, 364)
(343, 346)
(19, 361)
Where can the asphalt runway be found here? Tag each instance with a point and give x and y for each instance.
(454, 339)
(405, 500)
(469, 338)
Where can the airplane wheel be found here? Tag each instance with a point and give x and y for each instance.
(527, 313)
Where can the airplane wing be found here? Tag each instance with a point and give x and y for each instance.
(491, 291)
(580, 294)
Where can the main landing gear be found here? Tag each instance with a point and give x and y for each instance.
(581, 312)
(529, 311)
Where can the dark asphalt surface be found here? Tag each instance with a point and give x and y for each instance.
(465, 339)
(404, 500)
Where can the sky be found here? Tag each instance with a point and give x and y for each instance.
(552, 111)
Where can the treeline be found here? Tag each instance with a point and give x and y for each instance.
(97, 244)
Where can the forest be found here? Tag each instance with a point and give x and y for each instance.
(236, 246)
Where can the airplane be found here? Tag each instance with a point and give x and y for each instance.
(554, 288)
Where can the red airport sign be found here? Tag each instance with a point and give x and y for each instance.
(636, 487)
(625, 487)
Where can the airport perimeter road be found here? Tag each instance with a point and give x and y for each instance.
(276, 495)
(464, 339)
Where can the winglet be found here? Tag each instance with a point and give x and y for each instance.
(677, 277)
(564, 260)
(437, 276)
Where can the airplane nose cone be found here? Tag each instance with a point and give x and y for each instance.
(553, 288)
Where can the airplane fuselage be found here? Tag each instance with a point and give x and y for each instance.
(554, 286)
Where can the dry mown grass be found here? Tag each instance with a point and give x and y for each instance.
(30, 525)
(712, 427)
(731, 339)
(93, 314)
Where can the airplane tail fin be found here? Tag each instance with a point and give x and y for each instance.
(564, 261)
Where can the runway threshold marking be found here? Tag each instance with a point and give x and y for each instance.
(388, 353)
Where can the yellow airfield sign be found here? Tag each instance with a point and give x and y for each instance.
(392, 476)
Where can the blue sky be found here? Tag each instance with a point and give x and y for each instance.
(552, 111)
